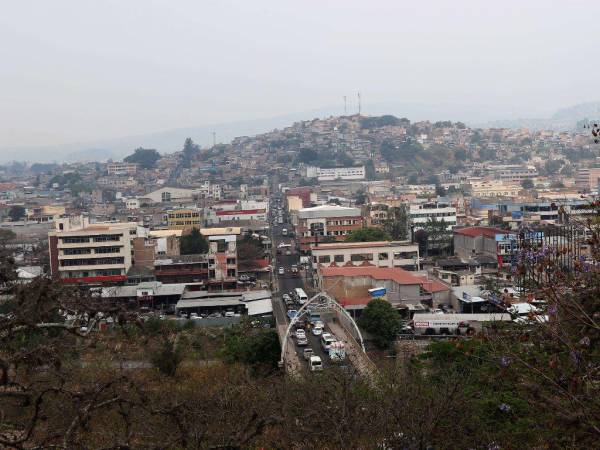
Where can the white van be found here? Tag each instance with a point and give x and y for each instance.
(326, 340)
(315, 363)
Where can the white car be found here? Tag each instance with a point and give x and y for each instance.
(315, 363)
(281, 271)
(300, 333)
(317, 331)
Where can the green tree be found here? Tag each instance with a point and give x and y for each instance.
(168, 357)
(527, 183)
(396, 224)
(16, 213)
(368, 234)
(438, 237)
(248, 251)
(370, 173)
(382, 322)
(307, 155)
(361, 198)
(6, 235)
(460, 154)
(256, 347)
(145, 157)
(190, 150)
(440, 190)
(193, 243)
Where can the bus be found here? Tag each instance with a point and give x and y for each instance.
(300, 295)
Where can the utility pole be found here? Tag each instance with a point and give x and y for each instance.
(359, 104)
(214, 139)
(345, 106)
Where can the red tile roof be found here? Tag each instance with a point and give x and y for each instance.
(479, 231)
(396, 274)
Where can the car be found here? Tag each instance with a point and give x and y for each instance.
(244, 278)
(193, 316)
(230, 314)
(281, 271)
(315, 363)
(307, 353)
(317, 331)
(288, 252)
(286, 297)
(302, 341)
(300, 333)
(292, 313)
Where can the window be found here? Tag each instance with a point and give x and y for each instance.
(107, 238)
(383, 256)
(107, 250)
(75, 240)
(362, 257)
(230, 260)
(231, 272)
(324, 259)
(165, 196)
(77, 251)
(338, 258)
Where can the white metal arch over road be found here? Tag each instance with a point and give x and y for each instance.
(332, 303)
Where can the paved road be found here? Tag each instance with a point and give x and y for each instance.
(287, 283)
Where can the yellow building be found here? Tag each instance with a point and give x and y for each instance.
(184, 218)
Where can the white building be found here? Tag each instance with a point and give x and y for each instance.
(84, 252)
(121, 168)
(421, 213)
(379, 254)
(336, 173)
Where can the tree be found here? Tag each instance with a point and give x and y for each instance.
(438, 236)
(145, 157)
(527, 183)
(368, 234)
(248, 251)
(460, 154)
(193, 243)
(168, 358)
(190, 150)
(307, 155)
(370, 173)
(396, 224)
(361, 198)
(257, 348)
(440, 190)
(6, 235)
(16, 213)
(382, 321)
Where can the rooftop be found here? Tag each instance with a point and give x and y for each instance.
(479, 231)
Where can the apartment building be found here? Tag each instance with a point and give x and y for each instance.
(494, 189)
(121, 168)
(326, 222)
(514, 173)
(45, 213)
(378, 254)
(336, 173)
(90, 253)
(588, 179)
(184, 218)
(115, 182)
(421, 213)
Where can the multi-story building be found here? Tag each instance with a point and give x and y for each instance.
(514, 173)
(588, 179)
(421, 213)
(494, 189)
(378, 254)
(184, 218)
(326, 222)
(121, 168)
(336, 173)
(115, 182)
(217, 269)
(45, 213)
(90, 253)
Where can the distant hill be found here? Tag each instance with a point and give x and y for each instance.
(564, 119)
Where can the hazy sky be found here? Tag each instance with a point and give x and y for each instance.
(73, 70)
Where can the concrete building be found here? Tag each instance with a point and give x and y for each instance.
(494, 189)
(336, 173)
(378, 254)
(514, 173)
(350, 286)
(588, 179)
(121, 168)
(326, 221)
(184, 218)
(421, 213)
(45, 213)
(90, 253)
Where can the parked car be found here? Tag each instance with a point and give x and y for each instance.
(307, 353)
(315, 363)
(230, 314)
